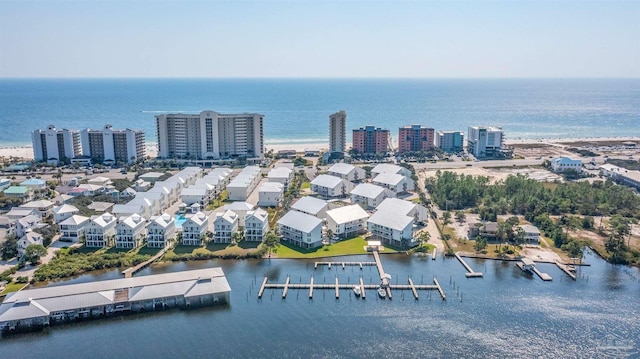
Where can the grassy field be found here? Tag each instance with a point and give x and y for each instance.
(12, 287)
(346, 247)
(212, 250)
(305, 185)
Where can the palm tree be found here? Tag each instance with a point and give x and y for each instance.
(270, 242)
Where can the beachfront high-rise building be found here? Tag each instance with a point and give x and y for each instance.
(54, 145)
(338, 131)
(108, 145)
(413, 138)
(370, 140)
(210, 135)
(450, 141)
(484, 141)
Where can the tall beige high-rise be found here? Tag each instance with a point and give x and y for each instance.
(338, 131)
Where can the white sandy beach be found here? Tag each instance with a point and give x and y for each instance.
(26, 152)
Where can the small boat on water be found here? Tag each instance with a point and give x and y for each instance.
(382, 292)
(357, 290)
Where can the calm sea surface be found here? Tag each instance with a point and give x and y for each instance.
(505, 314)
(297, 110)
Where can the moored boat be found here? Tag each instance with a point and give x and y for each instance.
(357, 290)
(382, 292)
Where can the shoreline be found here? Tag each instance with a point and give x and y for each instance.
(25, 151)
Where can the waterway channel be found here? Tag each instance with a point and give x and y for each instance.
(505, 313)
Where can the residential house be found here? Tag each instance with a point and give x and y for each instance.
(256, 225)
(141, 185)
(160, 231)
(26, 240)
(369, 195)
(90, 189)
(394, 219)
(561, 164)
(21, 192)
(394, 182)
(194, 229)
(224, 226)
(130, 231)
(270, 194)
(239, 208)
(34, 184)
(72, 228)
(328, 186)
(45, 207)
(60, 213)
(347, 221)
(100, 181)
(418, 212)
(26, 224)
(311, 206)
(16, 213)
(100, 231)
(281, 175)
(151, 177)
(301, 229)
(191, 195)
(245, 182)
(531, 233)
(4, 183)
(391, 168)
(347, 172)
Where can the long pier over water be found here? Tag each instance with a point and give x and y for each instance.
(384, 282)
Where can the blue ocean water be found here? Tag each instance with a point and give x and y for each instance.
(297, 110)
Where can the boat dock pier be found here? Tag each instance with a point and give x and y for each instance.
(343, 264)
(129, 272)
(565, 268)
(543, 276)
(434, 254)
(470, 272)
(384, 282)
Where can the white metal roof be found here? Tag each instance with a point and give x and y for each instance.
(368, 190)
(386, 168)
(342, 168)
(259, 214)
(194, 191)
(347, 214)
(392, 220)
(309, 205)
(238, 206)
(271, 187)
(38, 204)
(75, 220)
(228, 216)
(198, 218)
(392, 179)
(327, 181)
(301, 221)
(65, 208)
(395, 205)
(280, 172)
(104, 219)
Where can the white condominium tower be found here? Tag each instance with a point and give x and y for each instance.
(210, 135)
(54, 145)
(108, 145)
(338, 131)
(484, 142)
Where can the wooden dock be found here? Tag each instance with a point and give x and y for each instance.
(343, 264)
(337, 286)
(565, 269)
(470, 272)
(434, 254)
(543, 276)
(129, 272)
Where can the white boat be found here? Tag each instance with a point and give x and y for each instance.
(357, 290)
(382, 292)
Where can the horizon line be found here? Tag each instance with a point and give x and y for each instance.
(311, 78)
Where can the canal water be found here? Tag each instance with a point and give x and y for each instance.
(506, 313)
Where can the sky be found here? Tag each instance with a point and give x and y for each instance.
(308, 39)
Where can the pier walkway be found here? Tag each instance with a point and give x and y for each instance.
(129, 272)
(565, 268)
(543, 276)
(384, 282)
(470, 272)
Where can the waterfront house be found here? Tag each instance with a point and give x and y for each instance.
(489, 230)
(394, 182)
(224, 226)
(301, 229)
(419, 212)
(100, 231)
(194, 229)
(150, 206)
(21, 192)
(160, 231)
(34, 184)
(130, 231)
(394, 220)
(26, 224)
(561, 164)
(35, 308)
(311, 152)
(311, 206)
(72, 228)
(328, 186)
(531, 233)
(239, 208)
(270, 194)
(26, 240)
(347, 172)
(256, 225)
(60, 213)
(281, 175)
(347, 221)
(369, 195)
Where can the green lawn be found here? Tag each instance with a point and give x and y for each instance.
(346, 247)
(305, 185)
(12, 287)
